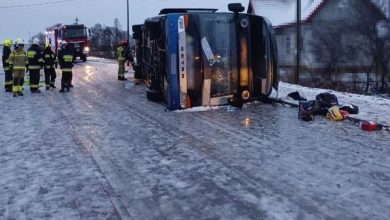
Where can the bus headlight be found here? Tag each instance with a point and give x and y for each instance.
(245, 95)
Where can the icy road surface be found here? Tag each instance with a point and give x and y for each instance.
(103, 151)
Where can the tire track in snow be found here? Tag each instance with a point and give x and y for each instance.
(120, 209)
(202, 145)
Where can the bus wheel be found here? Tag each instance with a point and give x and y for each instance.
(153, 95)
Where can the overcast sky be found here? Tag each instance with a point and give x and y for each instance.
(27, 17)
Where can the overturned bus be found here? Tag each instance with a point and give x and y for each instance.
(199, 57)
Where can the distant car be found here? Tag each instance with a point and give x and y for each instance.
(199, 57)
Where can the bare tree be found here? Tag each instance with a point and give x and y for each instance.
(375, 46)
(104, 39)
(328, 48)
(119, 34)
(354, 42)
(41, 36)
(96, 32)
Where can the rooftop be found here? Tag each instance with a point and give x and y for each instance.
(282, 12)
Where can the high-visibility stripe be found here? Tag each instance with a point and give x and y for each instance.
(10, 62)
(121, 58)
(8, 82)
(66, 69)
(34, 86)
(15, 89)
(19, 67)
(68, 58)
(31, 54)
(34, 67)
(121, 74)
(49, 67)
(6, 68)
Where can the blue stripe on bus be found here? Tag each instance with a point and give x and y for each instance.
(173, 68)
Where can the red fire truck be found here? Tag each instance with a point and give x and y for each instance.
(76, 35)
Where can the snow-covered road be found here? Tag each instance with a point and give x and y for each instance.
(103, 151)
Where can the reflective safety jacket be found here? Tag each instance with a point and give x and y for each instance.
(49, 59)
(18, 59)
(65, 58)
(6, 54)
(121, 53)
(34, 55)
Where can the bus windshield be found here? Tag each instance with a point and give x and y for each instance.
(211, 46)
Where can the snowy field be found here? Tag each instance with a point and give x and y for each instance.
(103, 151)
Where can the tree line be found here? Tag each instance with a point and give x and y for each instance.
(104, 39)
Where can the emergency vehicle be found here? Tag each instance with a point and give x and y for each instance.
(76, 35)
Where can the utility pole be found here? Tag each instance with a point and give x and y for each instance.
(128, 25)
(299, 46)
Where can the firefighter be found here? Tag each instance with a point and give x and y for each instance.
(121, 53)
(8, 73)
(18, 64)
(50, 64)
(65, 58)
(35, 64)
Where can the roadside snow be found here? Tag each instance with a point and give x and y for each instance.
(371, 107)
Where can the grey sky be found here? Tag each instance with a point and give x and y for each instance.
(21, 21)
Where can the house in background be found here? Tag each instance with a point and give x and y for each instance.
(334, 42)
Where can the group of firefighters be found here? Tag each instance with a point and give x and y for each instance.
(19, 61)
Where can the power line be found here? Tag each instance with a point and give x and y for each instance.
(64, 3)
(36, 4)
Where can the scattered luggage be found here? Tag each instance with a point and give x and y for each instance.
(326, 104)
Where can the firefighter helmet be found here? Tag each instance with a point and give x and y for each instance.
(19, 42)
(35, 41)
(7, 42)
(64, 43)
